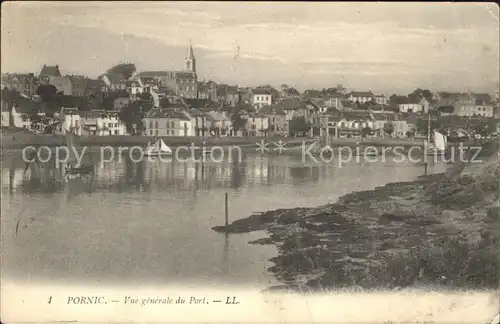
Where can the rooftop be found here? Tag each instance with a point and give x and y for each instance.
(362, 94)
(49, 70)
(260, 91)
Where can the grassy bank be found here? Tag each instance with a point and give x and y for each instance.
(439, 231)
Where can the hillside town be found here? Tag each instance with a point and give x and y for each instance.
(124, 101)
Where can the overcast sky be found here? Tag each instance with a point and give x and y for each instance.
(385, 47)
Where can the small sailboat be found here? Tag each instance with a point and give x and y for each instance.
(439, 145)
(73, 167)
(158, 148)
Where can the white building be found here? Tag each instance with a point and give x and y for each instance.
(167, 122)
(381, 100)
(413, 107)
(102, 123)
(261, 98)
(70, 120)
(361, 96)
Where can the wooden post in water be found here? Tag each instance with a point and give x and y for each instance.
(425, 167)
(226, 212)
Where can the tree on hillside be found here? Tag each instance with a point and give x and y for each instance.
(299, 126)
(9, 95)
(365, 131)
(397, 99)
(237, 121)
(131, 115)
(423, 125)
(125, 69)
(418, 94)
(51, 99)
(389, 128)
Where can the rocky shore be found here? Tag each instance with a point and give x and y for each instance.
(439, 231)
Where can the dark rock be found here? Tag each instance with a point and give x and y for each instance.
(387, 218)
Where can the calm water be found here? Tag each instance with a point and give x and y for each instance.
(151, 221)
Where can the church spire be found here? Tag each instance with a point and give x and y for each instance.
(190, 61)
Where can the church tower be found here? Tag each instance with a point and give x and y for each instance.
(190, 61)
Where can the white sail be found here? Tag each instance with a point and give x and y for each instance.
(439, 141)
(164, 147)
(158, 147)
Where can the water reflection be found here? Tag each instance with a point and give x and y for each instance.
(148, 219)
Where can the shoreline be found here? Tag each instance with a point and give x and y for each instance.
(439, 231)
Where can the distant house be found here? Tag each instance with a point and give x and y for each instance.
(5, 114)
(113, 82)
(381, 109)
(120, 102)
(261, 98)
(78, 85)
(134, 87)
(446, 110)
(381, 100)
(349, 123)
(289, 92)
(361, 96)
(411, 106)
(23, 83)
(334, 100)
(207, 90)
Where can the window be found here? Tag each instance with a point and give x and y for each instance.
(116, 132)
(156, 124)
(150, 124)
(166, 124)
(116, 124)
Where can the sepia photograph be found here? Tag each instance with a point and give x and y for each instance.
(254, 162)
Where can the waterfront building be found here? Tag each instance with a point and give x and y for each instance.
(102, 123)
(257, 125)
(70, 120)
(220, 123)
(347, 124)
(278, 123)
(167, 122)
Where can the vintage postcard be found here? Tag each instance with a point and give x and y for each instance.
(250, 162)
